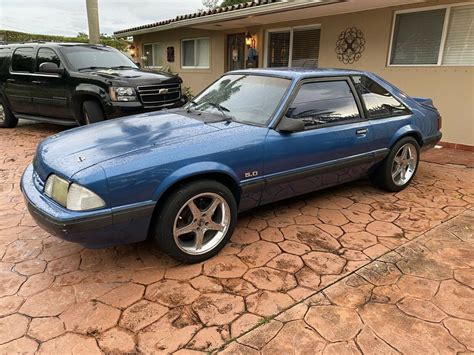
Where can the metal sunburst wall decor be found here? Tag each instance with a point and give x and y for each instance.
(350, 45)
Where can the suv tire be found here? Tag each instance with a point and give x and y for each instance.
(7, 119)
(399, 168)
(92, 112)
(196, 221)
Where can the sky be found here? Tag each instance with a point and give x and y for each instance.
(69, 17)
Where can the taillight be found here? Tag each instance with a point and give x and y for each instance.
(440, 122)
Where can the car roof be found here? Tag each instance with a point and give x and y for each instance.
(50, 44)
(298, 73)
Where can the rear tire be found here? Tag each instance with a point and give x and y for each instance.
(7, 119)
(399, 168)
(92, 112)
(196, 221)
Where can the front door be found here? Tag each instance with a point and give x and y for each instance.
(335, 147)
(50, 91)
(236, 51)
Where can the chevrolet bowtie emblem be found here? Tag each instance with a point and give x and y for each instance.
(163, 91)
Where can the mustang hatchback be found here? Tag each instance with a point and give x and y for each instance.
(251, 138)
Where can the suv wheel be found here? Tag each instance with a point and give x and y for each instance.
(7, 119)
(196, 221)
(91, 112)
(399, 168)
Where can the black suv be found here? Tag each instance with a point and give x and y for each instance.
(74, 84)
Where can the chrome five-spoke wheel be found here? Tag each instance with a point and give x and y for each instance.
(201, 223)
(404, 164)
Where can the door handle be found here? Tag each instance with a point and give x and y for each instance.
(37, 82)
(10, 80)
(362, 132)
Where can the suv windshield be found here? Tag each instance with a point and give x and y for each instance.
(249, 99)
(94, 57)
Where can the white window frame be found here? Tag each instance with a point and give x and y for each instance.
(153, 44)
(444, 35)
(194, 39)
(285, 29)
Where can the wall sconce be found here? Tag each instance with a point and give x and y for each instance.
(249, 40)
(132, 50)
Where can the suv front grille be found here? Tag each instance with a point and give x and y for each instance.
(159, 95)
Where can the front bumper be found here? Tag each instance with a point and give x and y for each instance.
(121, 109)
(93, 229)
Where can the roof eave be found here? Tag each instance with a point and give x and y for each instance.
(230, 15)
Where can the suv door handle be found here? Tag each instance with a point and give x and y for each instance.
(10, 80)
(362, 132)
(37, 82)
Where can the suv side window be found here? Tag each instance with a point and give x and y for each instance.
(379, 103)
(4, 59)
(22, 59)
(320, 103)
(47, 55)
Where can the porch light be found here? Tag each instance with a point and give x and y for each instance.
(249, 39)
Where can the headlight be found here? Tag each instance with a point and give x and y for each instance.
(123, 94)
(72, 196)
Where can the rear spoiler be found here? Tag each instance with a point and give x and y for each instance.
(425, 102)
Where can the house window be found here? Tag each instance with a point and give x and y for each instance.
(195, 53)
(439, 36)
(154, 53)
(293, 47)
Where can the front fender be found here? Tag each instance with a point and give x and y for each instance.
(195, 169)
(409, 130)
(88, 90)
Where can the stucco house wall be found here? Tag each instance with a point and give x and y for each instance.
(451, 87)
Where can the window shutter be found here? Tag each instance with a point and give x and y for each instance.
(417, 37)
(459, 48)
(278, 49)
(306, 48)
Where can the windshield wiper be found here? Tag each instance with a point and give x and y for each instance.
(92, 68)
(221, 109)
(123, 67)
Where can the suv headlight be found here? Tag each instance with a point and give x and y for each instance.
(123, 94)
(72, 196)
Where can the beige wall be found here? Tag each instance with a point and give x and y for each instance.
(451, 88)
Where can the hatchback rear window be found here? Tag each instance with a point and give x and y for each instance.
(22, 60)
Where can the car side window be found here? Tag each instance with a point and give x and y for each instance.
(379, 103)
(22, 60)
(320, 103)
(47, 55)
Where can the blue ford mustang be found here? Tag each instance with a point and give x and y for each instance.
(251, 138)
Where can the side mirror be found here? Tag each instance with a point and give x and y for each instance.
(50, 68)
(138, 64)
(290, 125)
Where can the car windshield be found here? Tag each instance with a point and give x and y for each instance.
(249, 99)
(96, 57)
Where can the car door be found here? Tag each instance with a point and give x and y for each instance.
(18, 84)
(51, 92)
(336, 145)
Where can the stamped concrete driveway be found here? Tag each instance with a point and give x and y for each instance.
(348, 269)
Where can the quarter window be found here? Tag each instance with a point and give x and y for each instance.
(47, 55)
(154, 54)
(379, 103)
(322, 103)
(195, 53)
(443, 36)
(295, 47)
(22, 60)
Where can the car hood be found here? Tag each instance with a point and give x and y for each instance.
(135, 77)
(69, 152)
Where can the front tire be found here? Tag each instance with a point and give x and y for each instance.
(7, 119)
(92, 112)
(196, 221)
(399, 168)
